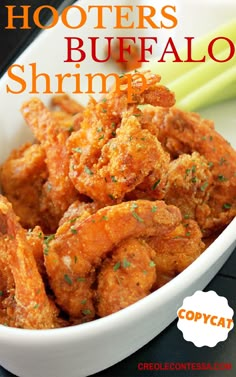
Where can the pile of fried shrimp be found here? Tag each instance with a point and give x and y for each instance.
(108, 203)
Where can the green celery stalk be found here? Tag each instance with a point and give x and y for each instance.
(201, 84)
(170, 71)
(199, 76)
(210, 93)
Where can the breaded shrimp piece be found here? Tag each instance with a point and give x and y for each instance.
(99, 134)
(22, 177)
(74, 253)
(126, 277)
(184, 132)
(176, 251)
(35, 239)
(124, 163)
(58, 191)
(189, 182)
(30, 306)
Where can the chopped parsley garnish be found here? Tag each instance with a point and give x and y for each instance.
(1, 293)
(87, 170)
(46, 241)
(227, 205)
(154, 209)
(77, 150)
(36, 306)
(86, 311)
(133, 206)
(113, 178)
(156, 184)
(152, 264)
(222, 178)
(204, 186)
(189, 170)
(72, 221)
(83, 302)
(134, 214)
(188, 234)
(126, 263)
(116, 267)
(67, 279)
(73, 230)
(137, 217)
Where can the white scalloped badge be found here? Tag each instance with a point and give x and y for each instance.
(205, 319)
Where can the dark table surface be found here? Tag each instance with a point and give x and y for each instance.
(169, 346)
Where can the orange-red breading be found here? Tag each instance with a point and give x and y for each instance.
(29, 307)
(123, 164)
(187, 132)
(117, 198)
(176, 251)
(58, 191)
(112, 154)
(75, 252)
(189, 184)
(35, 239)
(126, 277)
(22, 178)
(182, 132)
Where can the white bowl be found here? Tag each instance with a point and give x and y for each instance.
(86, 349)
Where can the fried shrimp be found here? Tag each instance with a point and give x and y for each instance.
(176, 251)
(22, 177)
(111, 202)
(107, 150)
(183, 132)
(58, 191)
(29, 307)
(74, 254)
(124, 163)
(126, 277)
